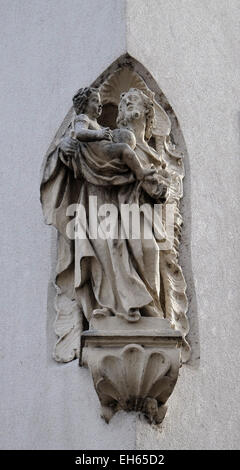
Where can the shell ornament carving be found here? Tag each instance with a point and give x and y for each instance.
(135, 380)
(124, 79)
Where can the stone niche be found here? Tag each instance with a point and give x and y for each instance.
(121, 305)
(133, 367)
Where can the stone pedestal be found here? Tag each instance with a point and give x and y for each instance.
(134, 366)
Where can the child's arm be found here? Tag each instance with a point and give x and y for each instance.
(84, 134)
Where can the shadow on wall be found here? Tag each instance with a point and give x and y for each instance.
(185, 246)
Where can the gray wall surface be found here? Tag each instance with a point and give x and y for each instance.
(50, 49)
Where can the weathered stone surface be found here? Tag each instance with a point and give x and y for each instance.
(134, 366)
(92, 161)
(192, 50)
(128, 274)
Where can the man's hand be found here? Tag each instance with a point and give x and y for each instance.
(68, 145)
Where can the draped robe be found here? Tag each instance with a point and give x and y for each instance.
(122, 275)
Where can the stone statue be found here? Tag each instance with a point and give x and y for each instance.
(113, 283)
(103, 170)
(87, 105)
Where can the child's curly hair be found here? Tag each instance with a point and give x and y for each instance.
(80, 99)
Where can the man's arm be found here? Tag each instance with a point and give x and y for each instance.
(68, 146)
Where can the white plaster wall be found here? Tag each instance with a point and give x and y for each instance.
(50, 49)
(192, 49)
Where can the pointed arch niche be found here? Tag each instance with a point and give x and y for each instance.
(134, 365)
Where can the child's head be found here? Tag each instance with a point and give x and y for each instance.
(88, 101)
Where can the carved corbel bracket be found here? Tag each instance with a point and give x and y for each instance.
(134, 367)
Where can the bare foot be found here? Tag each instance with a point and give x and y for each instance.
(101, 313)
(132, 316)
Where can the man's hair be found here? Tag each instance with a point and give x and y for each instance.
(80, 99)
(149, 112)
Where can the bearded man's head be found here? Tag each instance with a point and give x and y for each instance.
(135, 105)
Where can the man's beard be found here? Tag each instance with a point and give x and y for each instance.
(127, 117)
(133, 115)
